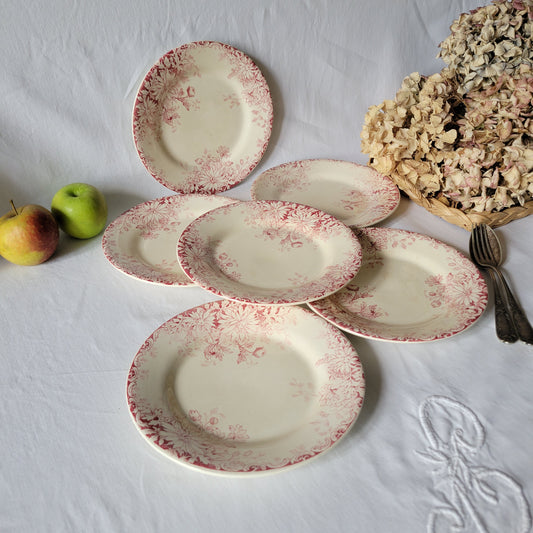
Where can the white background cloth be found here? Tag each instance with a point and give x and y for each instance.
(71, 458)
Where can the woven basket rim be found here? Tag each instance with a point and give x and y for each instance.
(457, 216)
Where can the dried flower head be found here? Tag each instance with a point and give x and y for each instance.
(473, 151)
(488, 42)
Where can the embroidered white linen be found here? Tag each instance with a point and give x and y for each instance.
(445, 434)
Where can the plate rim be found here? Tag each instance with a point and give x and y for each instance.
(341, 430)
(257, 157)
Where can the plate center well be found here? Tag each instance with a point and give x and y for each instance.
(205, 127)
(394, 292)
(264, 392)
(271, 258)
(156, 250)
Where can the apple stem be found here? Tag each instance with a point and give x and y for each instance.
(13, 206)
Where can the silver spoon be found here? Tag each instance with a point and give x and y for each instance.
(494, 260)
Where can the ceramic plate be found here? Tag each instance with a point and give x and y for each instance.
(233, 388)
(202, 118)
(410, 288)
(355, 194)
(142, 241)
(269, 252)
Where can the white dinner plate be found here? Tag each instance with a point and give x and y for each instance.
(202, 118)
(269, 252)
(355, 194)
(142, 241)
(410, 288)
(234, 388)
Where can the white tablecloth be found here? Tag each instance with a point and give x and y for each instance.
(446, 432)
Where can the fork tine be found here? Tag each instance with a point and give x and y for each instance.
(484, 243)
(474, 241)
(480, 249)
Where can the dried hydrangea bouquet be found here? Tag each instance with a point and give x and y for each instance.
(460, 142)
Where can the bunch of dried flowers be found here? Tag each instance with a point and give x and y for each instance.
(410, 134)
(488, 42)
(473, 150)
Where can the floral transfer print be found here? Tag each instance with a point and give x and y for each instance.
(357, 300)
(161, 98)
(213, 422)
(223, 333)
(360, 197)
(216, 166)
(291, 225)
(472, 498)
(302, 389)
(155, 221)
(294, 234)
(450, 287)
(172, 102)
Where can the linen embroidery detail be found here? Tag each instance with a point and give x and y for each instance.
(474, 498)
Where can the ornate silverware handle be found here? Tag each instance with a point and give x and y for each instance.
(505, 330)
(523, 327)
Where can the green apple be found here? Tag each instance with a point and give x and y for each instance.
(80, 209)
(29, 235)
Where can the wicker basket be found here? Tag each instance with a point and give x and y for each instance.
(458, 217)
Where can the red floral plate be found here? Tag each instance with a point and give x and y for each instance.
(410, 288)
(234, 388)
(355, 194)
(269, 252)
(202, 118)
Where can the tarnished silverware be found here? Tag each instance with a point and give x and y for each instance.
(511, 322)
(505, 329)
(522, 325)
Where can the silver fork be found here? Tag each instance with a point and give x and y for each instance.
(505, 329)
(487, 247)
(521, 323)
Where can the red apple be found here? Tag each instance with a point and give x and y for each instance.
(29, 235)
